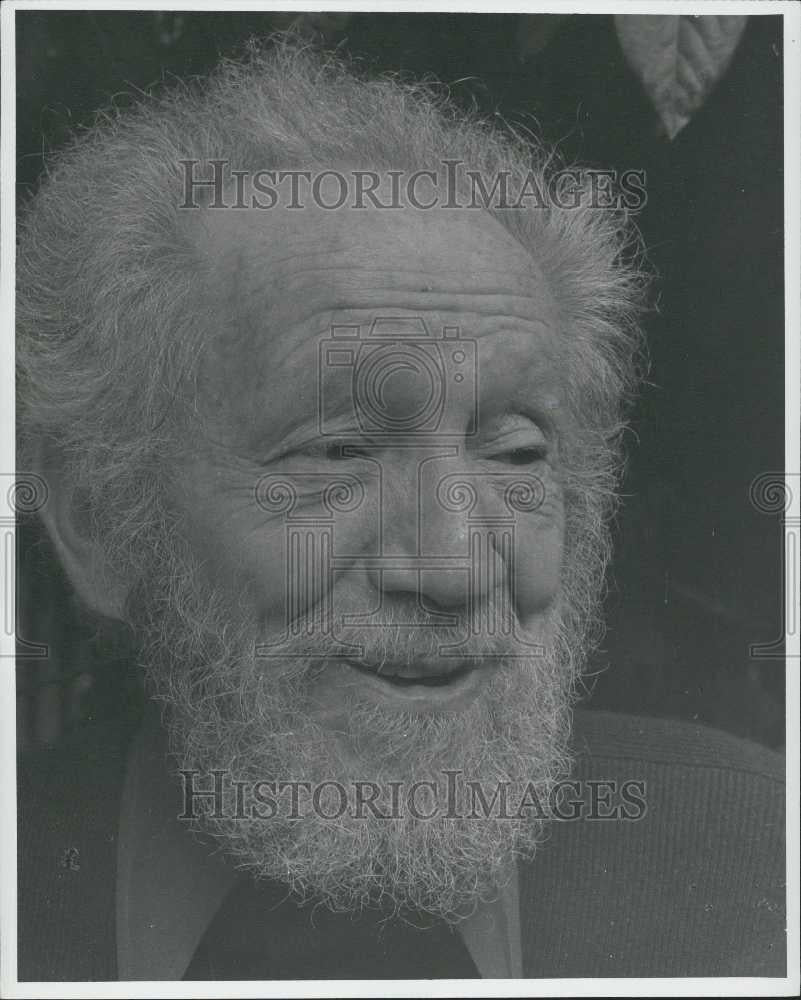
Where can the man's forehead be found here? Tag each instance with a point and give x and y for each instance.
(284, 264)
(280, 280)
(460, 240)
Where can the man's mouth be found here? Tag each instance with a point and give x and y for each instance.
(429, 674)
(441, 684)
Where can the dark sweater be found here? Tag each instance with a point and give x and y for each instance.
(694, 887)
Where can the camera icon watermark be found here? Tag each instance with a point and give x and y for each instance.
(385, 394)
(398, 380)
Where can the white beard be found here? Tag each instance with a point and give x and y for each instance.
(230, 710)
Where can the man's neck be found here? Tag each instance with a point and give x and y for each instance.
(492, 934)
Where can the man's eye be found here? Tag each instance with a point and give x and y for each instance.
(333, 451)
(336, 451)
(320, 451)
(521, 456)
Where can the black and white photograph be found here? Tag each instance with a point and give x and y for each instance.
(400, 499)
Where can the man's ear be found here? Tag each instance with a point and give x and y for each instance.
(83, 559)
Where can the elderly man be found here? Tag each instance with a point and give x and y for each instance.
(327, 383)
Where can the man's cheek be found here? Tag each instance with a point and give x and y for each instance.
(537, 566)
(249, 564)
(291, 567)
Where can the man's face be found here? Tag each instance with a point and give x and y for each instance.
(370, 496)
(334, 366)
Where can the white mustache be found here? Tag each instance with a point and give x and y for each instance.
(398, 644)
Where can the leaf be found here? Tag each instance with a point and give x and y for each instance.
(678, 58)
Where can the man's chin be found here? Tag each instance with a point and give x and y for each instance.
(420, 809)
(398, 733)
(440, 866)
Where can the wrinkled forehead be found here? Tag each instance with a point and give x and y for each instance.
(280, 281)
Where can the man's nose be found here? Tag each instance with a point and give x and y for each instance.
(427, 548)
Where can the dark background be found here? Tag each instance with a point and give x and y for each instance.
(697, 574)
